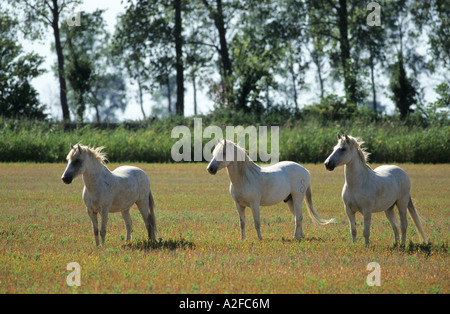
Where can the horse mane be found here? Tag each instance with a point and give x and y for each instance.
(243, 160)
(247, 163)
(358, 144)
(96, 152)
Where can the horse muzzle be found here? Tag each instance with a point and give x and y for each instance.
(67, 179)
(330, 166)
(211, 170)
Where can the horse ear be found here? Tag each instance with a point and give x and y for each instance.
(71, 146)
(346, 137)
(79, 148)
(338, 136)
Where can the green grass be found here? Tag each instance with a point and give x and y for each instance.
(44, 226)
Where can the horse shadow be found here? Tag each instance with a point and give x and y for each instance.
(168, 244)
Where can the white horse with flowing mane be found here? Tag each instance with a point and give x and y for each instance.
(253, 186)
(106, 191)
(368, 191)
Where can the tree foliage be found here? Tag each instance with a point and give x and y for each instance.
(248, 55)
(90, 69)
(18, 98)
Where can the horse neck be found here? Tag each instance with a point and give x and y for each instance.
(239, 171)
(94, 174)
(356, 171)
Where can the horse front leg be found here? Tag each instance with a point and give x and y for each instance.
(94, 221)
(352, 221)
(255, 212)
(241, 211)
(104, 215)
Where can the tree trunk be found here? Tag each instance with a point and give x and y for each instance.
(319, 72)
(139, 81)
(194, 85)
(316, 58)
(372, 77)
(220, 25)
(217, 16)
(97, 111)
(59, 53)
(294, 83)
(169, 94)
(349, 79)
(179, 59)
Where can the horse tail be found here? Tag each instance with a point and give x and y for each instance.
(152, 216)
(416, 218)
(312, 212)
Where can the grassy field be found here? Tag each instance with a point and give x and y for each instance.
(44, 226)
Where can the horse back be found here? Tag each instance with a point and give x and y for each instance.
(393, 173)
(393, 182)
(130, 173)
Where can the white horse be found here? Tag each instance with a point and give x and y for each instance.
(368, 191)
(106, 191)
(253, 186)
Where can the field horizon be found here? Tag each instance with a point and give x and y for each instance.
(44, 226)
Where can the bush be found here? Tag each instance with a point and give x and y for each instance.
(300, 140)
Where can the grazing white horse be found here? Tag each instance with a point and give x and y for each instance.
(106, 191)
(253, 186)
(368, 191)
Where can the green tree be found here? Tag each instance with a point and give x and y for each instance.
(257, 49)
(40, 14)
(339, 21)
(91, 68)
(17, 97)
(403, 90)
(433, 16)
(402, 36)
(153, 29)
(79, 73)
(219, 13)
(248, 56)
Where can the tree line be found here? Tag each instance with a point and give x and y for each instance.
(249, 55)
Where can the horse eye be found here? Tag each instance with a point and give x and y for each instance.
(76, 162)
(342, 149)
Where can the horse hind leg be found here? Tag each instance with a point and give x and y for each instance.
(390, 215)
(416, 219)
(295, 206)
(128, 223)
(149, 219)
(402, 211)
